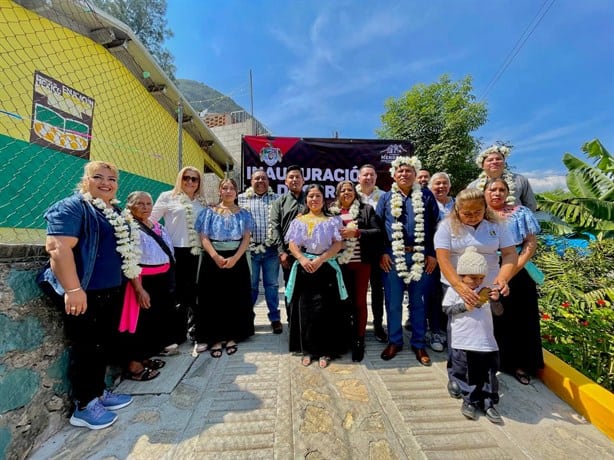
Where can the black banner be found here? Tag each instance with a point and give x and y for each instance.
(324, 161)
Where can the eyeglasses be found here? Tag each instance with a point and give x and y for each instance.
(191, 178)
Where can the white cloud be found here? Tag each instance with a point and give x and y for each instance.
(546, 181)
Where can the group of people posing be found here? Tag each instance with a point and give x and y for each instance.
(132, 288)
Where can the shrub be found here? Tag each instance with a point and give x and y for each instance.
(576, 307)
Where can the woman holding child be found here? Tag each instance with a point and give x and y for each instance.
(472, 223)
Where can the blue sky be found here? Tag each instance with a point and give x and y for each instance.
(321, 67)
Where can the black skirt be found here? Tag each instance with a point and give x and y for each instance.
(517, 331)
(224, 311)
(318, 317)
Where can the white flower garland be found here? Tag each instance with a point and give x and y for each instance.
(396, 209)
(507, 175)
(253, 247)
(193, 239)
(346, 255)
(377, 193)
(126, 235)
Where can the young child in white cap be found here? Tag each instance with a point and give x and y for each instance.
(473, 349)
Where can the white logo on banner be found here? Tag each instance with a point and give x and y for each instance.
(270, 155)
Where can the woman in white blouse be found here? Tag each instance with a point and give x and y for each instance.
(179, 208)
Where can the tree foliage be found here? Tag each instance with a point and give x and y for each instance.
(147, 19)
(438, 119)
(589, 205)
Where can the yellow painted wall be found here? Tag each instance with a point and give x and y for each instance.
(129, 127)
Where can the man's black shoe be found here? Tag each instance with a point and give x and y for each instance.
(454, 390)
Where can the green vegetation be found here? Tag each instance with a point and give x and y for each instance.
(576, 305)
(439, 119)
(147, 19)
(588, 207)
(577, 297)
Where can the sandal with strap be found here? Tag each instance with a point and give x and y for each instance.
(324, 361)
(231, 349)
(216, 352)
(142, 376)
(154, 363)
(522, 377)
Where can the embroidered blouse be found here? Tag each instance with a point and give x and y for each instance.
(520, 222)
(223, 227)
(151, 252)
(316, 235)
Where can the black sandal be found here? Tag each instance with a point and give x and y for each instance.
(154, 363)
(216, 352)
(231, 349)
(142, 376)
(522, 377)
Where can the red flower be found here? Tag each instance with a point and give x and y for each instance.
(565, 304)
(601, 302)
(584, 323)
(545, 316)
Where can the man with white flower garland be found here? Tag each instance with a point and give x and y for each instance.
(257, 199)
(493, 162)
(410, 214)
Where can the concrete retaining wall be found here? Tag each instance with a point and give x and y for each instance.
(33, 355)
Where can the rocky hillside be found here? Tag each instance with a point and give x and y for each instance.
(202, 97)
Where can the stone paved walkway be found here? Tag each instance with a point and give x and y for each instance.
(261, 403)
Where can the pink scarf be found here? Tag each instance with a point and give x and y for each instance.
(130, 311)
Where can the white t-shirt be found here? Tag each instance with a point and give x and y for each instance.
(471, 330)
(170, 208)
(487, 238)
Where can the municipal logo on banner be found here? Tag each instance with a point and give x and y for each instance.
(270, 155)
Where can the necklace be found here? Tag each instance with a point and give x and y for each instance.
(249, 193)
(509, 180)
(398, 243)
(350, 244)
(189, 221)
(126, 232)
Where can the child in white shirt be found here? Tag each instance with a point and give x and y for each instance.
(473, 348)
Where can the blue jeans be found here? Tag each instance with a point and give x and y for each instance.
(268, 263)
(394, 288)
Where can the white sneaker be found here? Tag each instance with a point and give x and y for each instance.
(201, 347)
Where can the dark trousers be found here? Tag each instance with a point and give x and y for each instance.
(356, 278)
(475, 372)
(186, 269)
(94, 343)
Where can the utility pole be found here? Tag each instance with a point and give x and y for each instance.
(251, 101)
(179, 135)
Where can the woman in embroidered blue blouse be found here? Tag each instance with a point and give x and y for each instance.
(517, 330)
(315, 286)
(224, 315)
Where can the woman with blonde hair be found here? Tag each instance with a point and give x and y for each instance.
(179, 208)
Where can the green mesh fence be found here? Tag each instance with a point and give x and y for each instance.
(69, 94)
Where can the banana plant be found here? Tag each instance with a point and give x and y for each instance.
(588, 207)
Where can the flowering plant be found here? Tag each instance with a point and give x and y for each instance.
(577, 318)
(126, 232)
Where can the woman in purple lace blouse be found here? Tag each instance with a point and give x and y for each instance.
(315, 287)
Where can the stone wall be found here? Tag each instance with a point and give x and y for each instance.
(33, 355)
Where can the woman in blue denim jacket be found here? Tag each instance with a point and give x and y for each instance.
(85, 233)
